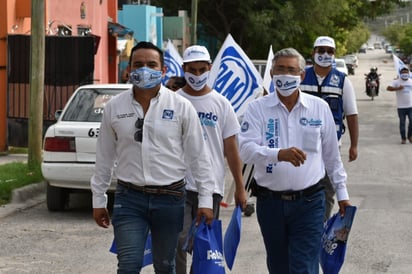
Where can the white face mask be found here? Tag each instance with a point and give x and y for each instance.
(324, 60)
(196, 82)
(404, 76)
(286, 84)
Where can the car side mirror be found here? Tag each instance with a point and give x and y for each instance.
(57, 114)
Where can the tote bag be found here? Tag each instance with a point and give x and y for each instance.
(147, 257)
(207, 249)
(334, 240)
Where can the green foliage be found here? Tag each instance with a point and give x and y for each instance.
(405, 42)
(394, 33)
(16, 175)
(257, 24)
(400, 36)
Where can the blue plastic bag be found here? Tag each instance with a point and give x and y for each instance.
(207, 249)
(334, 240)
(232, 237)
(147, 257)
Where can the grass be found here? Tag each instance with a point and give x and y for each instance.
(15, 175)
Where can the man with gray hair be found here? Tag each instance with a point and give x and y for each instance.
(290, 137)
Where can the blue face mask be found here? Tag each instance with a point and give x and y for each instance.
(145, 77)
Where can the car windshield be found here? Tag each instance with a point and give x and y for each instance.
(88, 104)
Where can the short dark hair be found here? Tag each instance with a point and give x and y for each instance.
(147, 45)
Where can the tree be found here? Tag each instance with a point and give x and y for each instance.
(257, 24)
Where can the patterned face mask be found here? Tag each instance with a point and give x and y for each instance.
(196, 82)
(145, 77)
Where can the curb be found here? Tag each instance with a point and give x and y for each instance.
(24, 198)
(21, 195)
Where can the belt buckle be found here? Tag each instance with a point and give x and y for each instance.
(288, 197)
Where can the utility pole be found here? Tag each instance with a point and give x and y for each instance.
(37, 48)
(194, 22)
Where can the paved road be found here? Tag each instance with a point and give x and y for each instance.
(380, 184)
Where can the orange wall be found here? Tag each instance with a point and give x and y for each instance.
(68, 12)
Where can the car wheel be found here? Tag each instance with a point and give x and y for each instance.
(57, 198)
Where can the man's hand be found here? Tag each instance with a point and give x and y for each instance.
(101, 216)
(342, 204)
(293, 155)
(207, 213)
(353, 153)
(241, 197)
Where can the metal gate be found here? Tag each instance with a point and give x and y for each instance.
(69, 63)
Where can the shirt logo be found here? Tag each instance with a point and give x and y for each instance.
(334, 80)
(312, 122)
(167, 114)
(245, 126)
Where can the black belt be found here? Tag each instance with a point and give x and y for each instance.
(158, 190)
(292, 195)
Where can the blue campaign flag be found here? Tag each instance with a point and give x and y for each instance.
(232, 237)
(234, 76)
(173, 62)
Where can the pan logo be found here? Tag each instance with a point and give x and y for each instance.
(173, 67)
(235, 80)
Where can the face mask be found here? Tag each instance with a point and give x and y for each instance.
(145, 77)
(196, 82)
(286, 84)
(404, 76)
(324, 60)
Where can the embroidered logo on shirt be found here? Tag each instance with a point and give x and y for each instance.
(334, 80)
(167, 114)
(245, 126)
(312, 122)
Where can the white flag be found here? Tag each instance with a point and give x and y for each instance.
(398, 64)
(173, 62)
(267, 80)
(234, 76)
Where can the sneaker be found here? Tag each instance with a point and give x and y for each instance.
(403, 141)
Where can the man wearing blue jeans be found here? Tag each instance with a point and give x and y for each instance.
(403, 88)
(290, 137)
(150, 135)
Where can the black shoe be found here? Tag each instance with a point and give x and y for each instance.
(249, 210)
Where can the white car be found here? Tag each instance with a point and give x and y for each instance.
(351, 59)
(69, 147)
(341, 65)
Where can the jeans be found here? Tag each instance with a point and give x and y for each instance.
(190, 213)
(134, 214)
(402, 113)
(291, 231)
